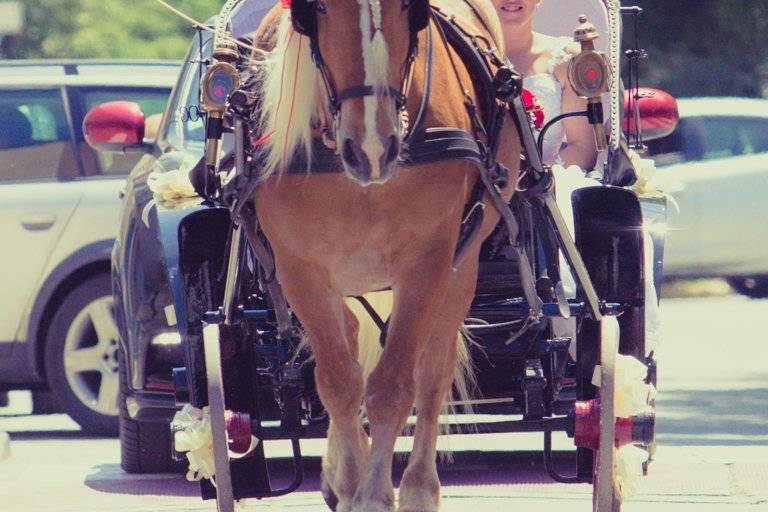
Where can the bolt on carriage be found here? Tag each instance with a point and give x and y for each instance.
(547, 358)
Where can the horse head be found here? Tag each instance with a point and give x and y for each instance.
(362, 53)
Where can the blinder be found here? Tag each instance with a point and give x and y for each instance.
(304, 15)
(418, 14)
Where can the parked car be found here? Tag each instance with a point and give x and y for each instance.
(149, 334)
(59, 202)
(715, 165)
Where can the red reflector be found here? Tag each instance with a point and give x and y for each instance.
(218, 92)
(591, 74)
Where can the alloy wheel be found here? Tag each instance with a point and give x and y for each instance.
(90, 357)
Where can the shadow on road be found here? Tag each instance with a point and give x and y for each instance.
(736, 417)
(469, 468)
(51, 435)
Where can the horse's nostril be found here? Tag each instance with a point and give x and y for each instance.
(349, 154)
(393, 149)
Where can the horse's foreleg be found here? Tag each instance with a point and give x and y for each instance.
(420, 485)
(332, 331)
(390, 389)
(347, 452)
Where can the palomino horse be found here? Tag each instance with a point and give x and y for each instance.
(374, 226)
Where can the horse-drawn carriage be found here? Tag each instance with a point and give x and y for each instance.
(304, 276)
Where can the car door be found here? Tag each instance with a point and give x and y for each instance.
(731, 191)
(38, 194)
(720, 189)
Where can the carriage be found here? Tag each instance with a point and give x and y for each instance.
(201, 307)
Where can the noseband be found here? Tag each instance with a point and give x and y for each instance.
(304, 17)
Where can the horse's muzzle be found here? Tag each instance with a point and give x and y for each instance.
(370, 165)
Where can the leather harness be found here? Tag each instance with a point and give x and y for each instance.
(427, 145)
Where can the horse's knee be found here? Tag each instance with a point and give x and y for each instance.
(340, 387)
(388, 397)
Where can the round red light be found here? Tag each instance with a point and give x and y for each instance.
(218, 92)
(591, 74)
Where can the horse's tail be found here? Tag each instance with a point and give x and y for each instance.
(369, 350)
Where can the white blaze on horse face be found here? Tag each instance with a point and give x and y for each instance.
(375, 65)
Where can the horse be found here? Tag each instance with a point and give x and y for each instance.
(373, 225)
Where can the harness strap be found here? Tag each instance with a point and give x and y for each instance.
(361, 91)
(383, 325)
(417, 127)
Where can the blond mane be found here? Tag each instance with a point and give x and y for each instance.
(289, 81)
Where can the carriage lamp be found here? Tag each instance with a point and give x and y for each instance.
(220, 80)
(589, 75)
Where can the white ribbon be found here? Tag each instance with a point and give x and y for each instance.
(645, 169)
(173, 188)
(194, 435)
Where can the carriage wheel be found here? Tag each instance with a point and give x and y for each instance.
(605, 496)
(212, 345)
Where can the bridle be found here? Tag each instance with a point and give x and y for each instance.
(304, 15)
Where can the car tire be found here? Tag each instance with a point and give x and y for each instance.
(43, 402)
(751, 286)
(144, 447)
(81, 356)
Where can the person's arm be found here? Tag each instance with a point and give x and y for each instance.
(580, 149)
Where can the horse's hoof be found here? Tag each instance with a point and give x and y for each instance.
(328, 495)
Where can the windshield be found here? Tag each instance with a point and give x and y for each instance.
(185, 129)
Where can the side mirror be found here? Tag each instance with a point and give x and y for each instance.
(116, 126)
(657, 111)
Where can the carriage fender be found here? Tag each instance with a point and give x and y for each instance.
(621, 239)
(179, 233)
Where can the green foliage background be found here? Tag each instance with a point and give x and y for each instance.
(696, 47)
(108, 28)
(705, 47)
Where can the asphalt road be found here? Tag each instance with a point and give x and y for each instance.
(712, 433)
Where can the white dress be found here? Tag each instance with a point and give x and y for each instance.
(549, 95)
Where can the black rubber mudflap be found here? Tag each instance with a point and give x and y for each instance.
(608, 230)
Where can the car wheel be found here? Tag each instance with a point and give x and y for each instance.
(81, 356)
(43, 402)
(144, 447)
(751, 286)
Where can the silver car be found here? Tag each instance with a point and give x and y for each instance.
(59, 202)
(715, 165)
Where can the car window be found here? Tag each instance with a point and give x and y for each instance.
(721, 137)
(185, 129)
(754, 134)
(35, 139)
(152, 102)
(709, 138)
(671, 149)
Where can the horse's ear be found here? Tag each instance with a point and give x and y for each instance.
(304, 17)
(418, 14)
